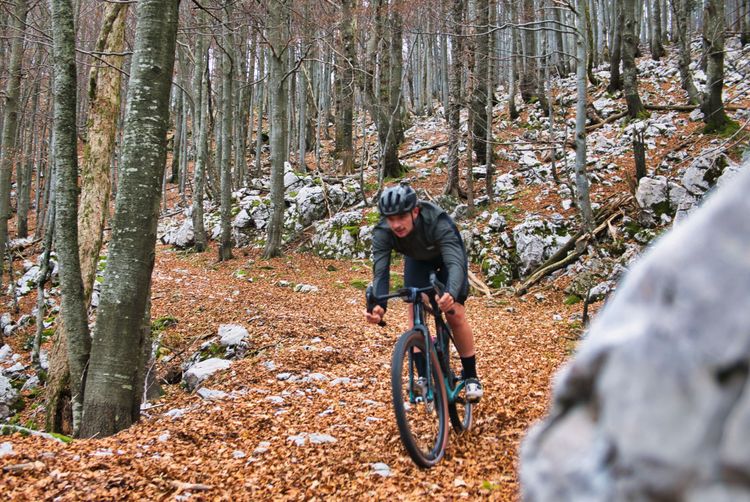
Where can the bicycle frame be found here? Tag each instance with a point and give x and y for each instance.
(440, 344)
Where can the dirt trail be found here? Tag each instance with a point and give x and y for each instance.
(239, 447)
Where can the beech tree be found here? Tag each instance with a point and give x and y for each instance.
(10, 125)
(112, 391)
(713, 40)
(65, 157)
(278, 39)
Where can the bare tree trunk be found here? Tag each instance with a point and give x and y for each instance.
(657, 48)
(479, 96)
(713, 36)
(112, 395)
(514, 60)
(490, 86)
(345, 89)
(454, 105)
(630, 78)
(278, 38)
(582, 183)
(10, 124)
(745, 23)
(200, 138)
(227, 67)
(25, 168)
(73, 308)
(682, 10)
(615, 80)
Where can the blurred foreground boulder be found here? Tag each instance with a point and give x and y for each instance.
(656, 403)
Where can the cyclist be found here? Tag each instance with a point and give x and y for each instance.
(429, 240)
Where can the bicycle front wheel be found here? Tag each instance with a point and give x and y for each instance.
(420, 404)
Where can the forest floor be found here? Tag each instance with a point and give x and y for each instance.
(243, 445)
(214, 450)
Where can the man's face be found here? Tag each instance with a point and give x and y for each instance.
(403, 224)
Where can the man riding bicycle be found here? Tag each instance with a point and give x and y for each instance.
(430, 242)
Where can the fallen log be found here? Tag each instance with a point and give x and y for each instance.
(577, 244)
(430, 147)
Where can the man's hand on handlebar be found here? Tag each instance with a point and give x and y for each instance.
(445, 302)
(376, 316)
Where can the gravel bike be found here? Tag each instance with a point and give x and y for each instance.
(426, 392)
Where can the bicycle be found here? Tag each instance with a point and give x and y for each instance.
(423, 399)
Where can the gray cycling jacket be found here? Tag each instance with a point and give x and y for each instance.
(435, 238)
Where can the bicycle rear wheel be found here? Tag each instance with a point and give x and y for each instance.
(422, 420)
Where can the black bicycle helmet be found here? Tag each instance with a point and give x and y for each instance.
(397, 199)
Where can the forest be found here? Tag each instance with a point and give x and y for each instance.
(188, 191)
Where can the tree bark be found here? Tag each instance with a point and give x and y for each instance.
(73, 309)
(713, 37)
(582, 182)
(629, 48)
(200, 120)
(615, 80)
(225, 245)
(479, 95)
(10, 124)
(657, 47)
(454, 105)
(112, 398)
(278, 31)
(345, 88)
(682, 10)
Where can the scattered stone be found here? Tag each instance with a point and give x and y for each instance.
(164, 437)
(305, 288)
(318, 438)
(238, 454)
(262, 447)
(232, 334)
(199, 372)
(211, 394)
(381, 469)
(6, 450)
(341, 381)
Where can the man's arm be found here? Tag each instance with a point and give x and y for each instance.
(381, 262)
(453, 253)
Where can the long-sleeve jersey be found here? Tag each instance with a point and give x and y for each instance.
(435, 238)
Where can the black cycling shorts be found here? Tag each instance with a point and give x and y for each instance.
(417, 275)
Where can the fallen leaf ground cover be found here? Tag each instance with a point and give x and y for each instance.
(240, 447)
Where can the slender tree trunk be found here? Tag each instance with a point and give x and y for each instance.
(582, 183)
(745, 23)
(562, 60)
(279, 86)
(479, 95)
(225, 246)
(682, 10)
(590, 49)
(452, 186)
(112, 397)
(25, 169)
(178, 136)
(73, 308)
(657, 48)
(261, 102)
(490, 86)
(713, 36)
(615, 80)
(629, 47)
(346, 84)
(104, 111)
(200, 138)
(10, 124)
(514, 61)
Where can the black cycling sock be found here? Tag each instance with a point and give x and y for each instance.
(421, 363)
(469, 365)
